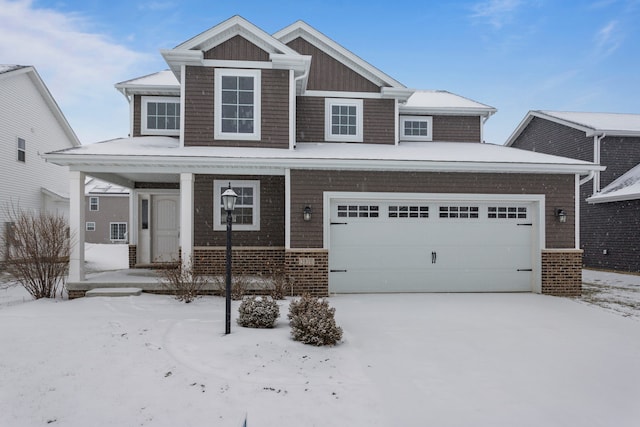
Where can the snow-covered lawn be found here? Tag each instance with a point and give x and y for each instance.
(405, 360)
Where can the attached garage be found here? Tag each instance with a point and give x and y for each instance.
(433, 242)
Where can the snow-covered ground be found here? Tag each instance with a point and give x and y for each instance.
(405, 359)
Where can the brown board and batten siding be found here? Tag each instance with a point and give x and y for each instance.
(457, 128)
(237, 48)
(199, 110)
(307, 188)
(271, 231)
(326, 73)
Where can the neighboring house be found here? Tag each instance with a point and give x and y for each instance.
(106, 212)
(610, 202)
(348, 181)
(31, 124)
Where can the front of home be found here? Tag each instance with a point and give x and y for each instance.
(347, 180)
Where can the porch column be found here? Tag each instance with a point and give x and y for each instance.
(186, 217)
(76, 225)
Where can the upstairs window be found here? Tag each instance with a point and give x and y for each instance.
(246, 215)
(237, 104)
(93, 204)
(343, 120)
(160, 115)
(22, 150)
(416, 128)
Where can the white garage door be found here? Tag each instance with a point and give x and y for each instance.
(430, 246)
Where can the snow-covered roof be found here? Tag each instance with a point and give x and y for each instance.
(97, 186)
(5, 68)
(441, 101)
(160, 83)
(164, 154)
(608, 124)
(626, 187)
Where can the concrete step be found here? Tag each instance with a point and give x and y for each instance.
(113, 292)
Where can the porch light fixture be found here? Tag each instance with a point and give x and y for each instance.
(561, 214)
(229, 203)
(306, 214)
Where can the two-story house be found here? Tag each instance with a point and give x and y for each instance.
(610, 200)
(31, 123)
(348, 181)
(106, 212)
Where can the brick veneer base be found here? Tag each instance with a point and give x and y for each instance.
(309, 271)
(212, 261)
(133, 256)
(562, 272)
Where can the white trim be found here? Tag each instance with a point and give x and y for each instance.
(537, 215)
(292, 110)
(427, 119)
(186, 218)
(218, 223)
(76, 226)
(347, 95)
(577, 211)
(396, 121)
(328, 104)
(143, 114)
(287, 209)
(257, 96)
(224, 63)
(91, 199)
(183, 72)
(126, 231)
(90, 226)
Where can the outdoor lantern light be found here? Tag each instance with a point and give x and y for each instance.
(307, 213)
(229, 203)
(561, 214)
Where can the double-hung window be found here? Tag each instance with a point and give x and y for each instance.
(237, 111)
(94, 204)
(22, 150)
(343, 119)
(416, 128)
(246, 215)
(160, 115)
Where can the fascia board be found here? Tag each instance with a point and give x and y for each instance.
(336, 51)
(453, 111)
(614, 198)
(198, 163)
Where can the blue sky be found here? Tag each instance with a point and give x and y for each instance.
(515, 55)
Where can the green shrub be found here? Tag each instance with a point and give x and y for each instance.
(313, 322)
(258, 312)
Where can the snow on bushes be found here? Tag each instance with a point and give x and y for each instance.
(258, 312)
(313, 322)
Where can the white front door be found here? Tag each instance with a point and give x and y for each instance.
(165, 230)
(431, 246)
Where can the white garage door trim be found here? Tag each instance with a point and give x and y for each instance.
(537, 214)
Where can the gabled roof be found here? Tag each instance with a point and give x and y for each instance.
(192, 51)
(348, 58)
(626, 187)
(161, 83)
(443, 102)
(97, 186)
(9, 71)
(608, 124)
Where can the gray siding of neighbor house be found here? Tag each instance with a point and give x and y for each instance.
(612, 227)
(199, 110)
(271, 231)
(307, 189)
(111, 208)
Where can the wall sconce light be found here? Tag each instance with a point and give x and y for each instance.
(561, 214)
(306, 214)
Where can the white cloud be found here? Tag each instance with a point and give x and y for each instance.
(608, 39)
(496, 12)
(79, 67)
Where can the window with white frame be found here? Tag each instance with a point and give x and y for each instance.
(94, 204)
(416, 128)
(160, 115)
(343, 119)
(118, 231)
(237, 104)
(90, 226)
(22, 150)
(246, 215)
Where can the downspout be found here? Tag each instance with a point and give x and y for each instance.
(293, 126)
(596, 159)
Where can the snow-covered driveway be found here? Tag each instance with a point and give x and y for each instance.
(411, 360)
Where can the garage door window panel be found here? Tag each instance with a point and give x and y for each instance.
(507, 212)
(358, 211)
(471, 212)
(405, 211)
